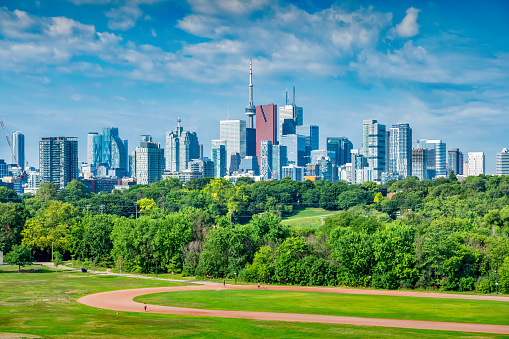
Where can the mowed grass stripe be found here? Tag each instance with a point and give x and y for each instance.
(366, 306)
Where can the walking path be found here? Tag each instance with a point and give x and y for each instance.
(122, 300)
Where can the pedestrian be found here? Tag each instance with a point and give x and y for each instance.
(224, 282)
(145, 307)
(258, 284)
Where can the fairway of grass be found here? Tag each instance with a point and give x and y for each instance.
(352, 305)
(44, 304)
(308, 217)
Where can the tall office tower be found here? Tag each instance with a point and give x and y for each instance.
(455, 161)
(149, 161)
(127, 167)
(90, 147)
(296, 148)
(341, 147)
(289, 127)
(320, 153)
(58, 159)
(181, 147)
(235, 159)
(279, 159)
(503, 162)
(266, 159)
(266, 126)
(295, 173)
(374, 147)
(326, 169)
(419, 164)
(234, 133)
(311, 132)
(249, 165)
(437, 159)
(250, 108)
(290, 111)
(18, 148)
(4, 169)
(218, 156)
(251, 141)
(208, 168)
(400, 149)
(476, 163)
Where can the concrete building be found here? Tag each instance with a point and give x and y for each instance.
(295, 173)
(249, 165)
(503, 162)
(476, 163)
(400, 149)
(279, 160)
(311, 133)
(4, 169)
(266, 159)
(419, 163)
(58, 160)
(296, 148)
(181, 147)
(437, 158)
(374, 147)
(149, 161)
(290, 111)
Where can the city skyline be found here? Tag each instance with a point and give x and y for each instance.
(84, 64)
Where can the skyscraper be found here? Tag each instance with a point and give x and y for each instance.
(436, 158)
(310, 132)
(342, 147)
(374, 147)
(107, 149)
(266, 126)
(419, 164)
(455, 161)
(266, 159)
(218, 156)
(503, 162)
(181, 147)
(58, 160)
(18, 148)
(476, 163)
(234, 133)
(296, 148)
(279, 159)
(400, 149)
(290, 111)
(149, 161)
(90, 147)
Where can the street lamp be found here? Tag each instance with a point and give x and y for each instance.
(235, 277)
(496, 281)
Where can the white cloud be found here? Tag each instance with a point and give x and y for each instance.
(409, 26)
(123, 18)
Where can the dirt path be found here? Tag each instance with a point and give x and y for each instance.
(122, 300)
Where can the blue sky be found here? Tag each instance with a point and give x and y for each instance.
(68, 67)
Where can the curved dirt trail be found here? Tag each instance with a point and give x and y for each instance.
(122, 300)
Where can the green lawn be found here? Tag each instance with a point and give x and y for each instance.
(308, 217)
(44, 304)
(368, 306)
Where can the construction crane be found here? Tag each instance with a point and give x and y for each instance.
(7, 136)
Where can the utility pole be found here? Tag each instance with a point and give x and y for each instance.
(136, 208)
(52, 251)
(231, 214)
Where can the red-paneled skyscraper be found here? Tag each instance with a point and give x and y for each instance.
(266, 125)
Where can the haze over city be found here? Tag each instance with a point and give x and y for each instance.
(71, 67)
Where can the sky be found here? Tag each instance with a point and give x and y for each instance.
(69, 67)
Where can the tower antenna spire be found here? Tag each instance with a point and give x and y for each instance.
(294, 95)
(251, 109)
(286, 92)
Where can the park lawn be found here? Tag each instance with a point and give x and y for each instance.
(308, 217)
(44, 304)
(352, 305)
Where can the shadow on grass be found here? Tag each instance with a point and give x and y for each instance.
(26, 269)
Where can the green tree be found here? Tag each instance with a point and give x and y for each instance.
(19, 255)
(263, 265)
(7, 195)
(352, 198)
(47, 192)
(74, 191)
(12, 219)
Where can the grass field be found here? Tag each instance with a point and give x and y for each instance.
(367, 306)
(44, 304)
(308, 217)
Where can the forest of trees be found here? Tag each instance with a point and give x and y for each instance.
(440, 234)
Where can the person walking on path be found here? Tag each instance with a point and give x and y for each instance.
(145, 305)
(258, 284)
(224, 282)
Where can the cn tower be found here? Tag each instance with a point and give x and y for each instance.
(250, 108)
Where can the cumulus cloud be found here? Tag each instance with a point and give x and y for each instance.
(409, 26)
